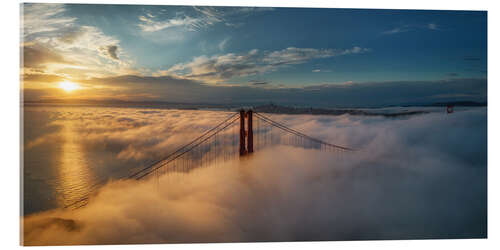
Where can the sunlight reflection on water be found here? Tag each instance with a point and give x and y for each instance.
(69, 152)
(75, 177)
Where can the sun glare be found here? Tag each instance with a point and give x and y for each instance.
(68, 86)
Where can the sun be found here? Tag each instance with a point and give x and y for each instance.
(68, 86)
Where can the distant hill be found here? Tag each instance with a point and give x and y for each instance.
(459, 103)
(276, 109)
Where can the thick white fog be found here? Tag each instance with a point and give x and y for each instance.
(422, 176)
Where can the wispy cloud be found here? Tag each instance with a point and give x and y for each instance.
(321, 70)
(292, 55)
(258, 82)
(220, 68)
(223, 43)
(432, 26)
(408, 27)
(396, 30)
(203, 17)
(151, 25)
(44, 18)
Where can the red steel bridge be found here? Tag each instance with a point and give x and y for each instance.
(241, 134)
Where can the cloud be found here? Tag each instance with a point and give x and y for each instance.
(230, 16)
(150, 25)
(42, 78)
(220, 68)
(38, 57)
(89, 41)
(432, 26)
(38, 19)
(321, 70)
(257, 82)
(111, 51)
(406, 182)
(223, 67)
(253, 9)
(411, 27)
(294, 55)
(53, 41)
(395, 31)
(203, 17)
(223, 44)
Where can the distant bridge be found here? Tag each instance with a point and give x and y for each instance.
(228, 141)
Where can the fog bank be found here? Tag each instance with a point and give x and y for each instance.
(418, 177)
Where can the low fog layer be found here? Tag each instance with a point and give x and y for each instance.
(68, 149)
(418, 177)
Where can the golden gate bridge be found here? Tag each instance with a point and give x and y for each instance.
(241, 134)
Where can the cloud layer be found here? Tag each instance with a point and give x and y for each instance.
(412, 178)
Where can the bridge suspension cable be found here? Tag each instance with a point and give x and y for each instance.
(206, 148)
(186, 148)
(154, 166)
(297, 133)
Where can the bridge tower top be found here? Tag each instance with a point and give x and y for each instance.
(246, 136)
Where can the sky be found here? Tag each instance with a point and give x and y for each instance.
(306, 56)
